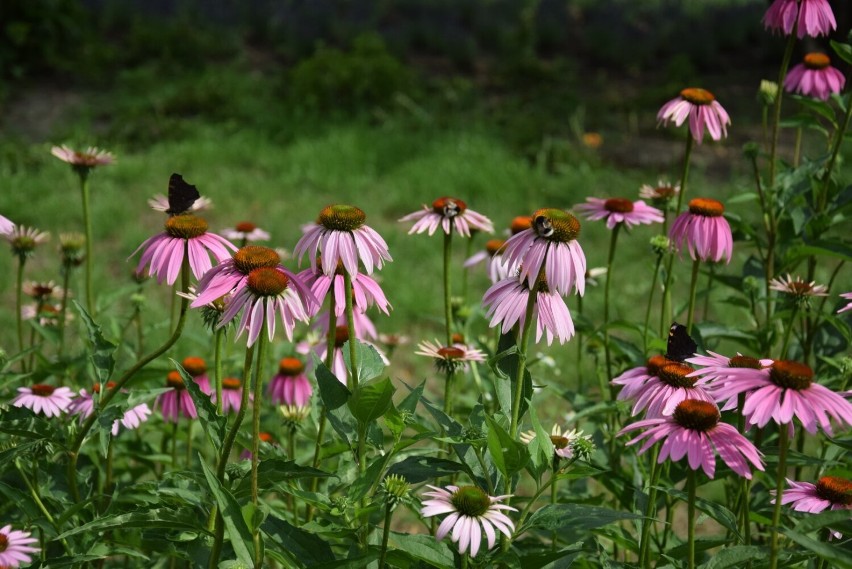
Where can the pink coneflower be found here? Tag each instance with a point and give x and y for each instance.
(847, 296)
(634, 379)
(671, 384)
(24, 240)
(84, 404)
(661, 194)
(366, 292)
(47, 313)
(830, 492)
(693, 430)
(290, 386)
(492, 257)
(42, 291)
(566, 444)
(197, 369)
(450, 358)
(365, 329)
(717, 370)
(6, 226)
(815, 77)
(15, 547)
(268, 292)
(164, 253)
(797, 288)
(451, 214)
(84, 159)
(619, 210)
(471, 511)
(506, 304)
(177, 402)
(702, 110)
(340, 235)
(232, 389)
(245, 231)
(161, 203)
(520, 223)
(786, 390)
(42, 398)
(814, 17)
(705, 230)
(550, 243)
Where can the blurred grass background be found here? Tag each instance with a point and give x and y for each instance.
(275, 109)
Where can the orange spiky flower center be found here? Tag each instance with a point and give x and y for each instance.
(267, 281)
(494, 245)
(96, 388)
(341, 335)
(245, 227)
(341, 217)
(451, 353)
(42, 389)
(231, 383)
(449, 207)
(186, 226)
(4, 542)
(290, 366)
(555, 225)
(791, 375)
(520, 223)
(194, 366)
(706, 207)
(817, 61)
(253, 257)
(697, 96)
(265, 437)
(835, 489)
(744, 362)
(696, 415)
(175, 381)
(618, 205)
(655, 363)
(665, 192)
(675, 375)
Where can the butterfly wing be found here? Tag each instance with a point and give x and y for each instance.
(181, 195)
(680, 344)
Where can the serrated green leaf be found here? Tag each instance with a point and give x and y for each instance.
(735, 556)
(505, 366)
(308, 548)
(370, 364)
(232, 516)
(102, 349)
(409, 403)
(541, 448)
(814, 522)
(424, 548)
(369, 402)
(508, 455)
(576, 517)
(163, 518)
(418, 469)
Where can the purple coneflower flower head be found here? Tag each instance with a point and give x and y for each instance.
(184, 234)
(269, 292)
(42, 291)
(815, 77)
(366, 292)
(705, 230)
(290, 386)
(797, 288)
(84, 160)
(718, 370)
(450, 214)
(702, 110)
(492, 257)
(471, 512)
(6, 226)
(619, 210)
(232, 389)
(786, 390)
(671, 384)
(46, 399)
(24, 240)
(245, 231)
(340, 235)
(847, 296)
(634, 379)
(15, 547)
(566, 444)
(506, 304)
(177, 402)
(550, 244)
(661, 194)
(83, 405)
(161, 203)
(814, 17)
(231, 275)
(197, 369)
(830, 492)
(694, 430)
(365, 329)
(450, 358)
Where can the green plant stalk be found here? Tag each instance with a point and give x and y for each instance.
(609, 266)
(37, 499)
(263, 342)
(579, 340)
(350, 322)
(769, 224)
(650, 507)
(522, 361)
(650, 302)
(106, 397)
(87, 223)
(776, 112)
(19, 287)
(63, 312)
(485, 472)
(448, 307)
(554, 493)
(189, 425)
(690, 483)
(838, 142)
(789, 331)
(783, 435)
(711, 269)
(693, 286)
(665, 311)
(385, 534)
(465, 272)
(174, 438)
(745, 506)
(448, 391)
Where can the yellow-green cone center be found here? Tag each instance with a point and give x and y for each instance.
(744, 362)
(791, 375)
(674, 374)
(618, 205)
(448, 207)
(697, 96)
(835, 489)
(817, 61)
(267, 281)
(706, 207)
(696, 415)
(470, 501)
(341, 217)
(186, 226)
(42, 389)
(253, 257)
(555, 225)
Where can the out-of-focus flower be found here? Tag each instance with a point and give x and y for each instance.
(566, 444)
(16, 548)
(42, 398)
(815, 77)
(809, 17)
(451, 214)
(619, 210)
(705, 230)
(245, 231)
(450, 358)
(702, 110)
(24, 240)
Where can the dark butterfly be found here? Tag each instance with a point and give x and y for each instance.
(680, 345)
(181, 195)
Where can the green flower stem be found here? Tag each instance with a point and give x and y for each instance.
(87, 223)
(522, 361)
(217, 367)
(189, 425)
(350, 322)
(19, 287)
(174, 438)
(579, 340)
(485, 472)
(838, 141)
(779, 97)
(609, 265)
(665, 315)
(448, 391)
(263, 343)
(448, 307)
(770, 225)
(63, 312)
(788, 332)
(690, 518)
(554, 493)
(783, 435)
(385, 534)
(693, 286)
(745, 490)
(650, 302)
(108, 394)
(37, 499)
(467, 254)
(650, 508)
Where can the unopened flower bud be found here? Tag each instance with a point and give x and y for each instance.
(768, 92)
(396, 490)
(660, 244)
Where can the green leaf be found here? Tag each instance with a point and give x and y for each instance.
(372, 476)
(229, 509)
(418, 469)
(505, 366)
(576, 517)
(214, 425)
(833, 249)
(821, 108)
(333, 393)
(370, 364)
(843, 50)
(306, 547)
(509, 455)
(735, 556)
(837, 555)
(369, 402)
(358, 562)
(716, 511)
(410, 402)
(164, 518)
(541, 448)
(817, 521)
(424, 548)
(102, 349)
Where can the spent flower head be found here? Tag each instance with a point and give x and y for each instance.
(83, 161)
(72, 248)
(24, 240)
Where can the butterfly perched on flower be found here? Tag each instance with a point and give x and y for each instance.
(680, 344)
(181, 195)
